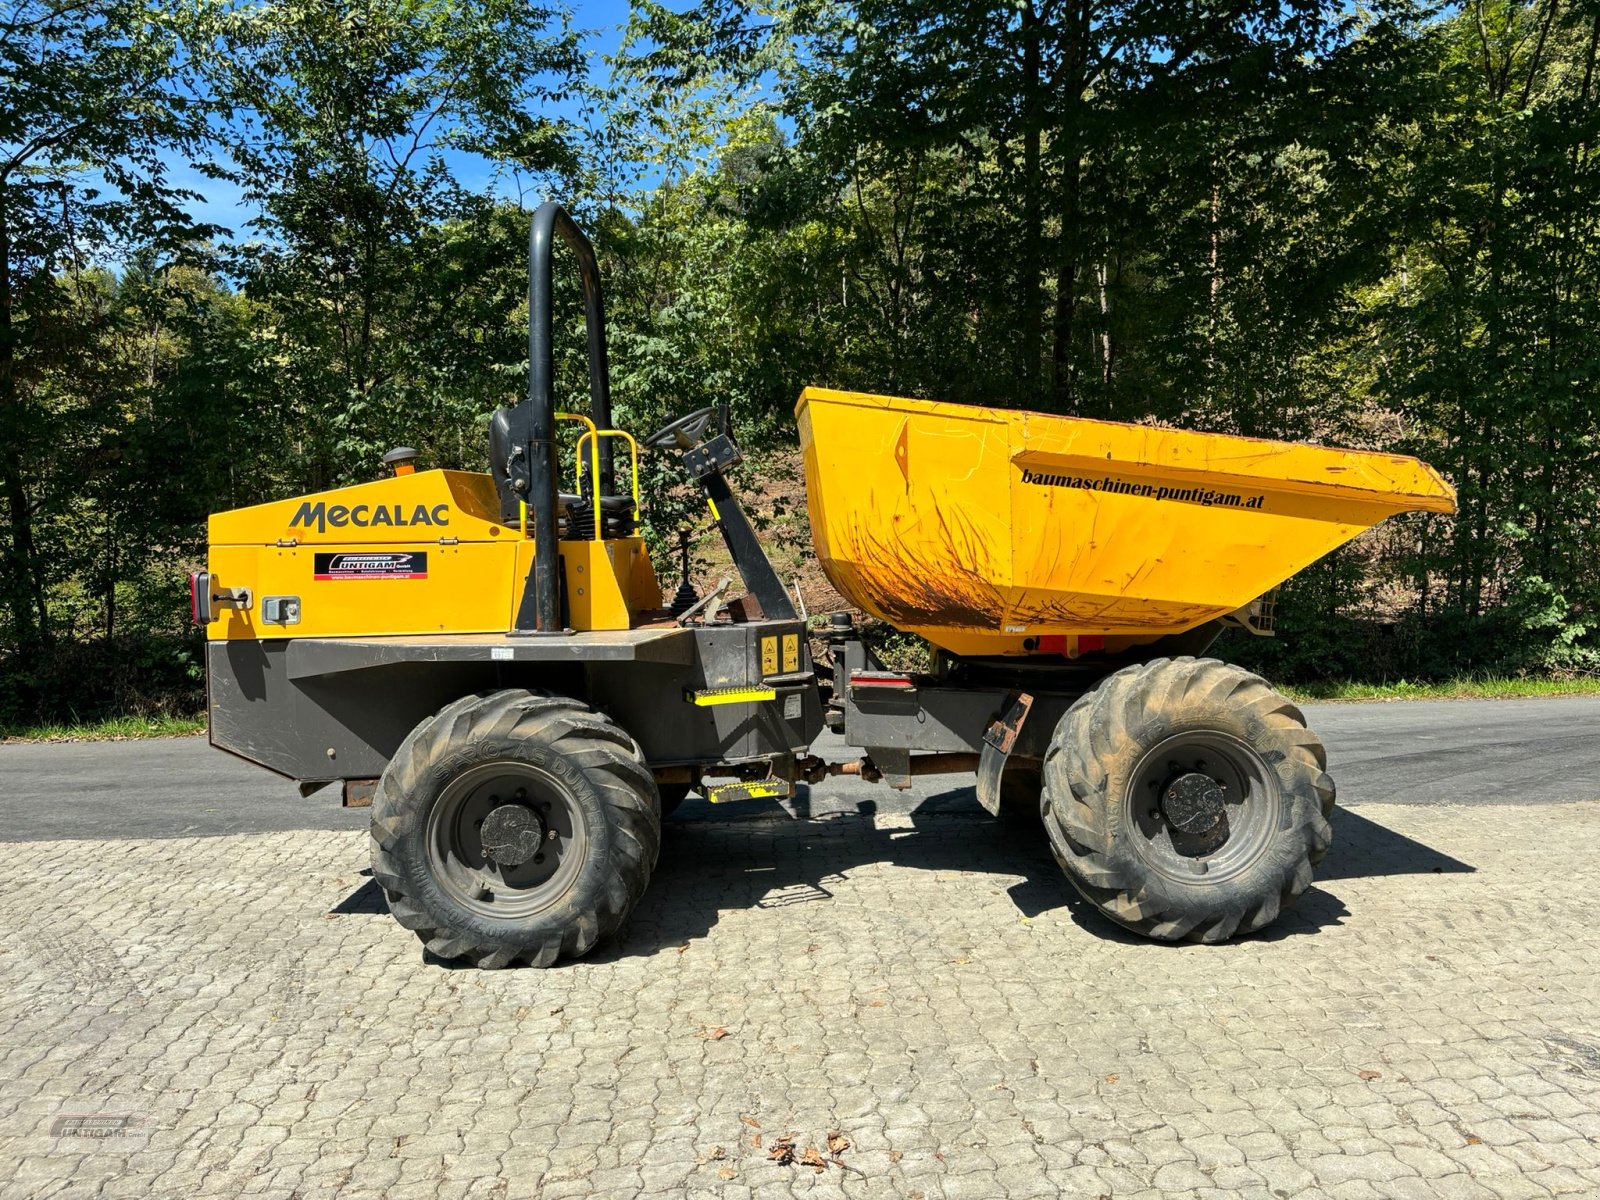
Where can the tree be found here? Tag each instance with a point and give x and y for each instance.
(1491, 323)
(988, 159)
(344, 117)
(97, 100)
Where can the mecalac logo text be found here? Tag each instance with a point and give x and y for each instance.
(366, 516)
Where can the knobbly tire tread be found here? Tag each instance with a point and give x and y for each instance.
(505, 724)
(1088, 766)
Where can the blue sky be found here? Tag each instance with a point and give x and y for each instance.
(223, 205)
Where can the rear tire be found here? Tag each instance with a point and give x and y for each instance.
(1187, 800)
(515, 827)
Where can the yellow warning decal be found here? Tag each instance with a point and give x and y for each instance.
(791, 652)
(769, 656)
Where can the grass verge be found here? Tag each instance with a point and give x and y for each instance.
(1487, 688)
(114, 729)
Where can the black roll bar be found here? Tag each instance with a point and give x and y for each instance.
(540, 610)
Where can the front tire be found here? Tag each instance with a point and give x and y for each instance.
(516, 827)
(1187, 800)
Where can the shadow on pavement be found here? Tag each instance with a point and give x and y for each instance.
(1364, 849)
(759, 855)
(364, 901)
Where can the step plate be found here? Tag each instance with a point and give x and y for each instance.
(757, 789)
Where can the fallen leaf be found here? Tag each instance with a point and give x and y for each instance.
(726, 1173)
(683, 947)
(895, 1156)
(1474, 1140)
(939, 1154)
(750, 1121)
(960, 962)
(560, 1009)
(813, 948)
(1369, 1074)
(838, 1143)
(809, 1157)
(782, 1150)
(715, 1153)
(712, 1033)
(875, 1004)
(755, 1140)
(1111, 1078)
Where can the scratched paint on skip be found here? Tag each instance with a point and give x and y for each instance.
(946, 539)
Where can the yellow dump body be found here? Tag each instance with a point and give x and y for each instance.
(988, 530)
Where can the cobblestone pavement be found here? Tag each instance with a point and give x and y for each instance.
(236, 1016)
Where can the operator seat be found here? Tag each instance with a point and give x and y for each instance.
(573, 511)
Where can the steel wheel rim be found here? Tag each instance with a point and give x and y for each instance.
(1251, 798)
(469, 876)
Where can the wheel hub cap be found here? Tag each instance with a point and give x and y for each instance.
(1194, 803)
(512, 834)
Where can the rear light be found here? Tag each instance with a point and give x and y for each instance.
(882, 679)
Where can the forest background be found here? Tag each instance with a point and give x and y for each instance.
(246, 247)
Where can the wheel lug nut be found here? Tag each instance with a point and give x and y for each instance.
(552, 835)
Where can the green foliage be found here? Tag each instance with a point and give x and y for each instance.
(388, 288)
(1476, 687)
(112, 729)
(1282, 221)
(97, 97)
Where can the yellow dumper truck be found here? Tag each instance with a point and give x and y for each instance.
(487, 660)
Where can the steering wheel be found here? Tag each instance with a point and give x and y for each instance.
(684, 433)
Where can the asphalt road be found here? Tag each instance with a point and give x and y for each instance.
(1412, 752)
